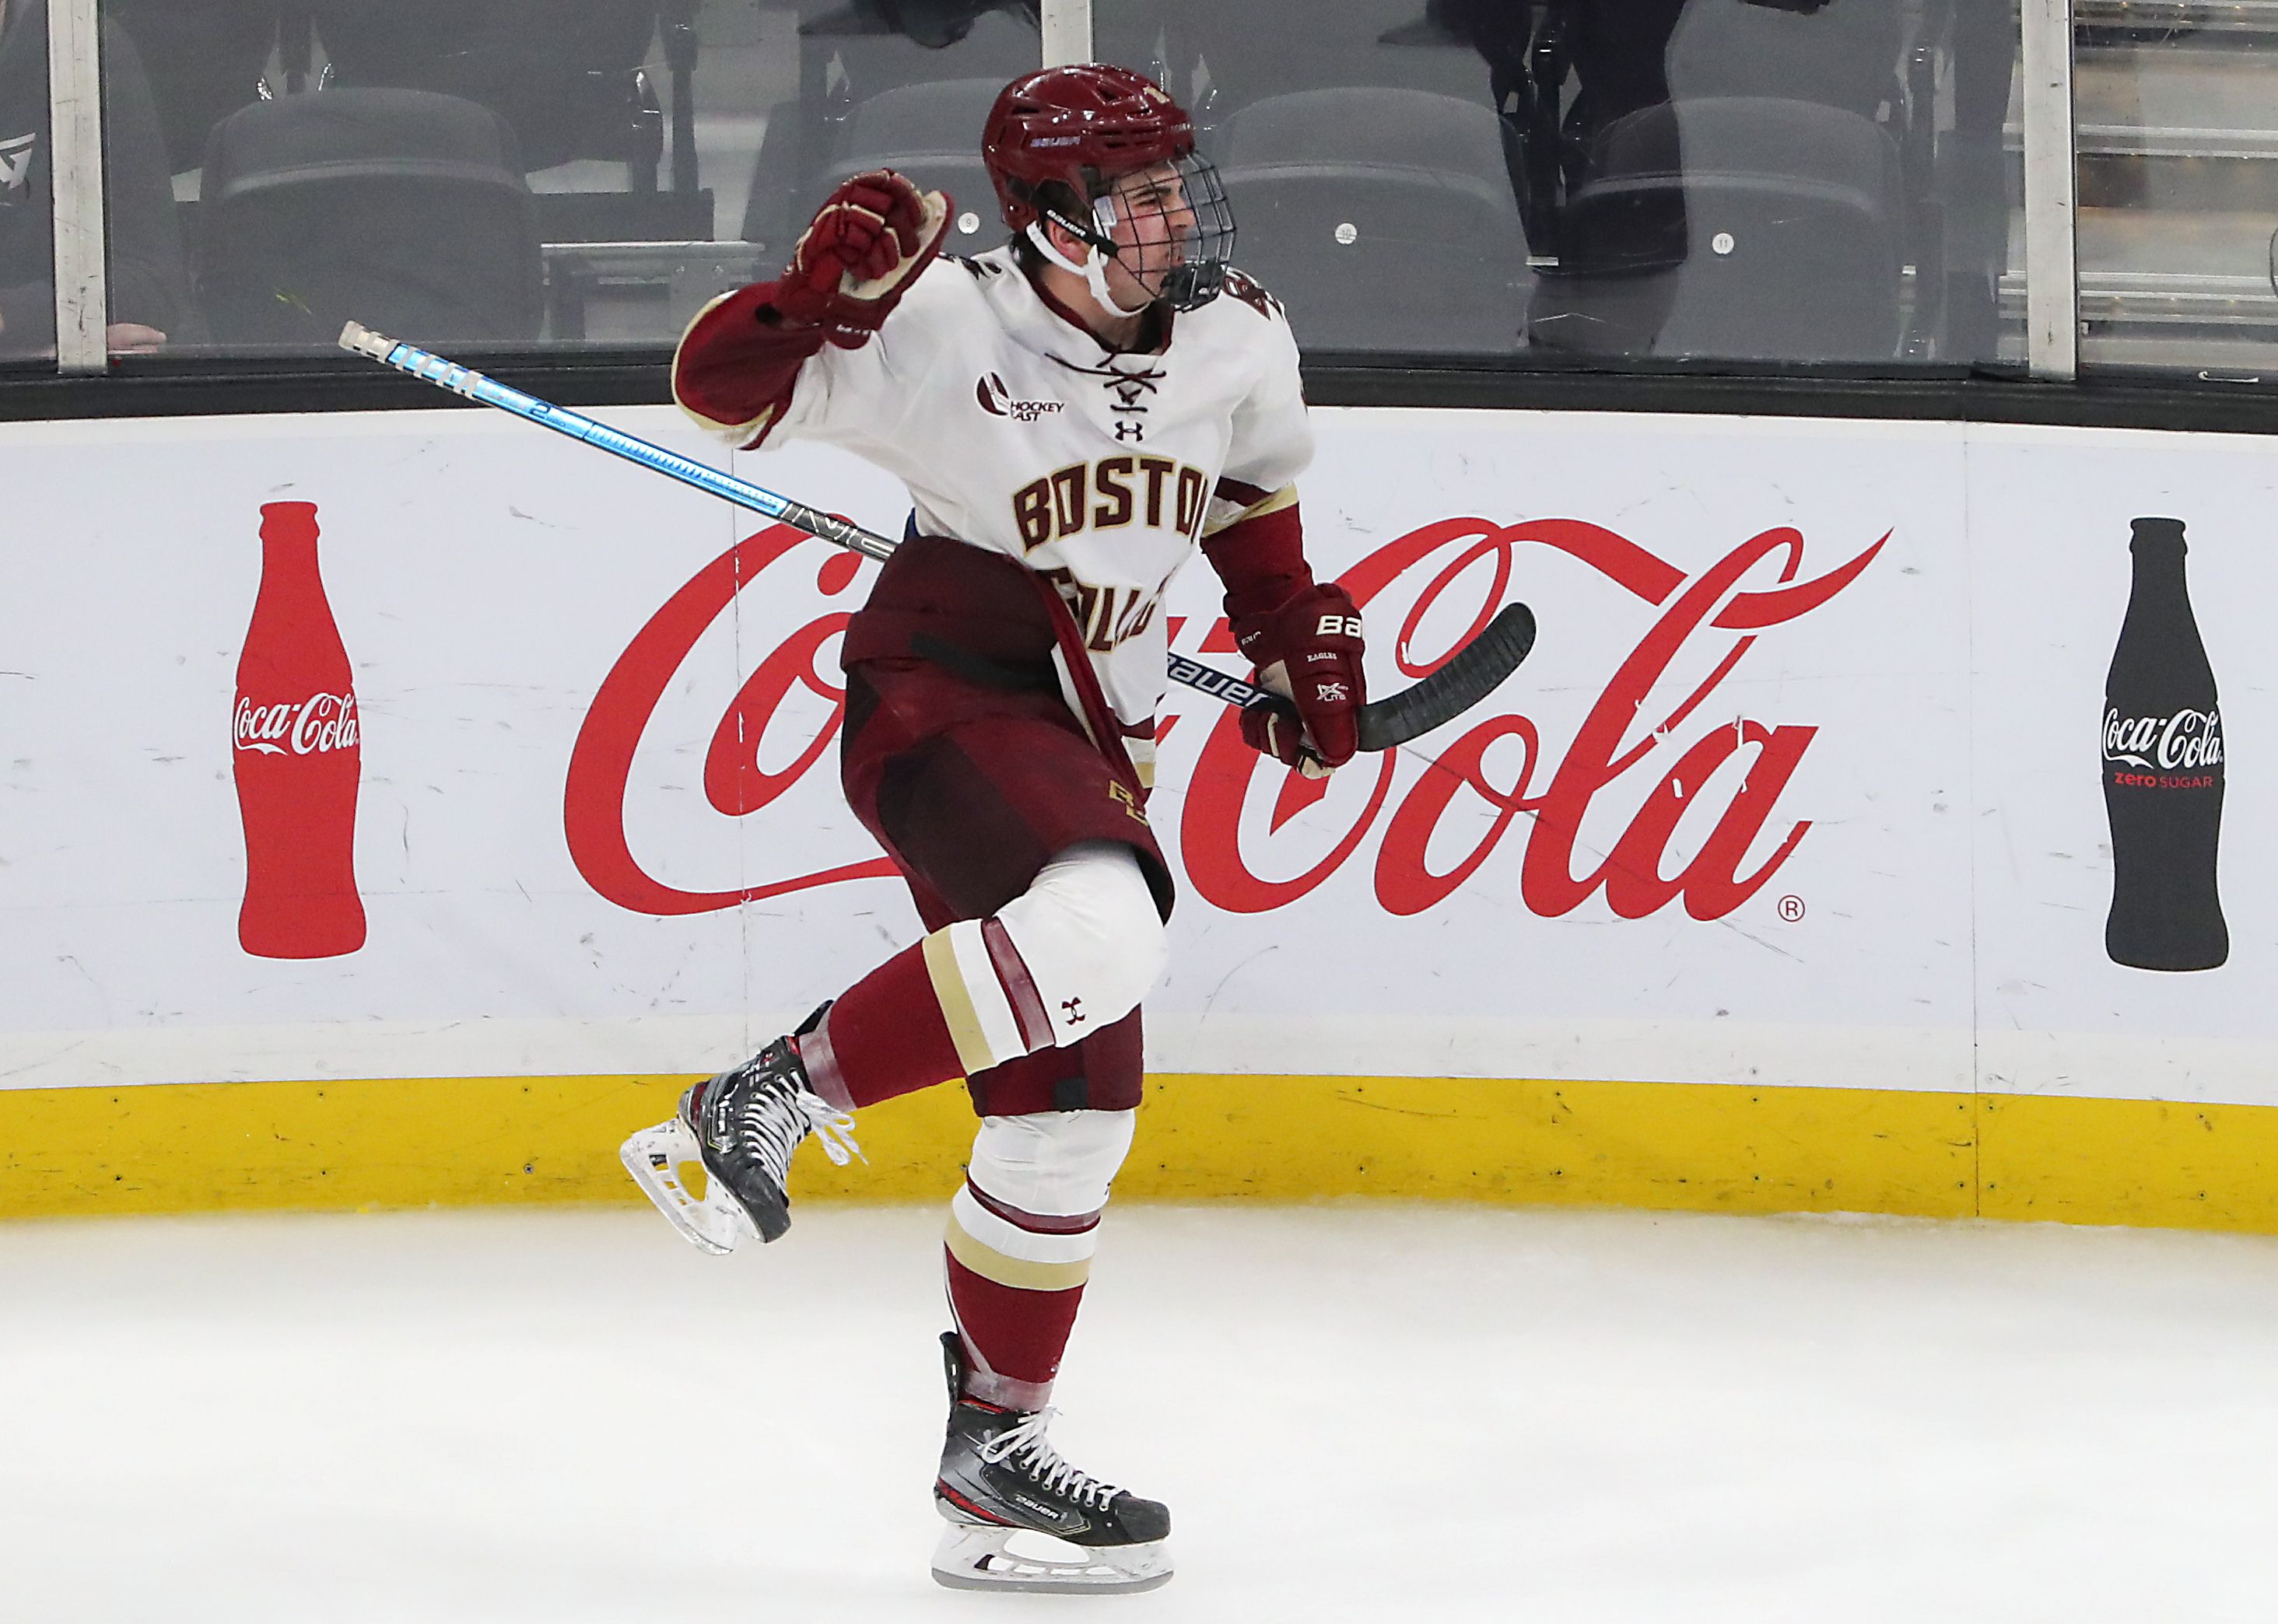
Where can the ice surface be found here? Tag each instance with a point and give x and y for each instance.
(1356, 1413)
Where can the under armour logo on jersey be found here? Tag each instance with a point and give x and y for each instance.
(997, 401)
(16, 160)
(1074, 1011)
(1130, 429)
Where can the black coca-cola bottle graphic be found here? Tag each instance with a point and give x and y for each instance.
(298, 755)
(2162, 771)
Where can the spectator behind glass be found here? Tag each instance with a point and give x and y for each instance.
(204, 59)
(1618, 51)
(557, 71)
(149, 280)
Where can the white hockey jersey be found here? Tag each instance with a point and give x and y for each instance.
(1016, 431)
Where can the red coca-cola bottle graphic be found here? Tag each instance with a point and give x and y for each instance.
(2162, 771)
(297, 757)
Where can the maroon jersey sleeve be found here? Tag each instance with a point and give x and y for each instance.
(738, 363)
(1259, 556)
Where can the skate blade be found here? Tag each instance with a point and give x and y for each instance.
(974, 1557)
(656, 1157)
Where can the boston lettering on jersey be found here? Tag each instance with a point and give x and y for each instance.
(1223, 402)
(1106, 615)
(1113, 491)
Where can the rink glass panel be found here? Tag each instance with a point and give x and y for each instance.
(518, 174)
(1537, 181)
(2175, 112)
(26, 231)
(1751, 181)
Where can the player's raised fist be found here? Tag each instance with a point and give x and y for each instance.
(868, 243)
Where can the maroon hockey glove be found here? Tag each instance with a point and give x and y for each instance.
(869, 242)
(1309, 649)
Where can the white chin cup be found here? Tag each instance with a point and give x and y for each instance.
(1093, 270)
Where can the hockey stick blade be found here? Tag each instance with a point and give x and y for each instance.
(1476, 671)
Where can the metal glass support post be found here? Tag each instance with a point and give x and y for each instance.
(2052, 256)
(1068, 32)
(75, 162)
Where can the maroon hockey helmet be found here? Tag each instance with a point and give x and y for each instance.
(1078, 126)
(1083, 125)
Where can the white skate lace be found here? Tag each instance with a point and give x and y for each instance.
(1042, 1462)
(772, 1134)
(834, 1129)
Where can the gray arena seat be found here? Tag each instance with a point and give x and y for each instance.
(931, 132)
(1793, 221)
(405, 209)
(565, 75)
(1382, 217)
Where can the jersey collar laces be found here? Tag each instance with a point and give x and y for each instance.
(1205, 251)
(1130, 385)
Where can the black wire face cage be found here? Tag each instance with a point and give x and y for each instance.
(1208, 249)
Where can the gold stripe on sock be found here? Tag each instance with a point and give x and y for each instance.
(956, 1002)
(990, 1264)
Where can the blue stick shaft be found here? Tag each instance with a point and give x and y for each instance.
(824, 527)
(1387, 724)
(489, 391)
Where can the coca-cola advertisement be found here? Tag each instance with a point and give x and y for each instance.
(1644, 750)
(1680, 764)
(297, 758)
(2163, 771)
(600, 830)
(1790, 793)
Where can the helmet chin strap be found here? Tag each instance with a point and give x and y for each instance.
(1093, 270)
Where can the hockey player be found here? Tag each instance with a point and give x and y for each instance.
(1073, 413)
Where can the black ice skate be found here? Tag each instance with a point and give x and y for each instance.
(999, 1478)
(741, 1127)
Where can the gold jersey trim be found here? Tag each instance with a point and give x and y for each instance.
(1286, 497)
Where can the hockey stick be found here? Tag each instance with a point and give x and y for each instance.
(1468, 677)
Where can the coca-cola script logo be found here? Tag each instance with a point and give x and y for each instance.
(320, 722)
(2188, 739)
(1705, 623)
